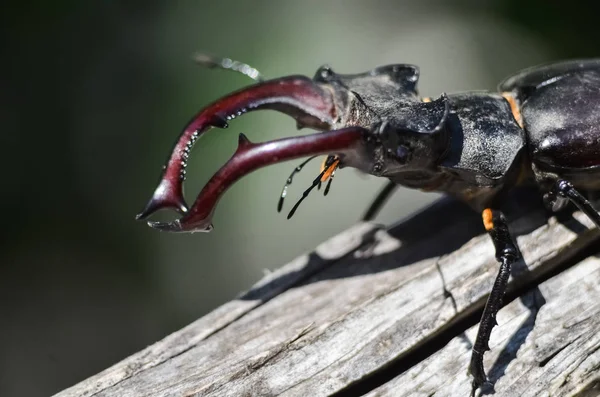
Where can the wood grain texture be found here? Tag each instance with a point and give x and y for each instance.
(547, 343)
(390, 313)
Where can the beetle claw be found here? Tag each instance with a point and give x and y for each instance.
(251, 156)
(243, 140)
(297, 96)
(164, 197)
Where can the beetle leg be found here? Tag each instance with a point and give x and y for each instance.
(347, 143)
(506, 253)
(298, 96)
(382, 197)
(563, 191)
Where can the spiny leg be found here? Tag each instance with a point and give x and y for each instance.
(562, 191)
(380, 200)
(506, 253)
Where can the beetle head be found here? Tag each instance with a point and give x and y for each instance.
(366, 98)
(379, 126)
(412, 140)
(407, 134)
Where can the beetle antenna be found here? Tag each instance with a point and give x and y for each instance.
(306, 193)
(324, 165)
(329, 183)
(329, 166)
(288, 182)
(212, 62)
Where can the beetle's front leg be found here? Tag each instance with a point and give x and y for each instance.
(380, 200)
(506, 253)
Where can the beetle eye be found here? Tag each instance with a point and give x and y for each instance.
(377, 168)
(324, 73)
(402, 153)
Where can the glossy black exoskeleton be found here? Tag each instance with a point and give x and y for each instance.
(543, 127)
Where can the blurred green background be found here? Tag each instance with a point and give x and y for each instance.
(94, 95)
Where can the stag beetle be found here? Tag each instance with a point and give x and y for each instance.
(543, 127)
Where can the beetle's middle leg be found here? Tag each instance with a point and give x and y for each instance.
(562, 192)
(377, 204)
(506, 253)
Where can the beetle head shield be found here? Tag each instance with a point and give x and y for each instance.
(414, 139)
(406, 134)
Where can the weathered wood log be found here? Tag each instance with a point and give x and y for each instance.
(393, 313)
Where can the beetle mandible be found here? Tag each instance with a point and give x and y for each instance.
(543, 127)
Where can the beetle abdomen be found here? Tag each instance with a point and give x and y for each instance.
(562, 120)
(528, 80)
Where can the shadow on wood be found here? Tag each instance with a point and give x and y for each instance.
(392, 313)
